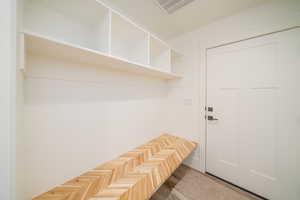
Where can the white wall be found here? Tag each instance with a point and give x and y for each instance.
(188, 95)
(9, 107)
(79, 116)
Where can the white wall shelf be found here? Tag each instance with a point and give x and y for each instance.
(42, 45)
(95, 33)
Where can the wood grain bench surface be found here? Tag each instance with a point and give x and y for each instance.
(135, 175)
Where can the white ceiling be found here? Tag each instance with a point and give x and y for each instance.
(188, 18)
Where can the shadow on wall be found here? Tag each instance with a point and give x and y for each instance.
(53, 81)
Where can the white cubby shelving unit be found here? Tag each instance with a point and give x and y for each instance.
(88, 31)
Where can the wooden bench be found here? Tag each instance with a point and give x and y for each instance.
(135, 175)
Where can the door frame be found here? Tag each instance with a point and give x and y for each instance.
(203, 90)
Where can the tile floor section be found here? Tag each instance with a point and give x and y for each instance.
(189, 184)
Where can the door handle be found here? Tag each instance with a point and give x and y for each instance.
(211, 118)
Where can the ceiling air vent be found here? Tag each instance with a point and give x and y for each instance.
(170, 6)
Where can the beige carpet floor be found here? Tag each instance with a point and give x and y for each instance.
(189, 184)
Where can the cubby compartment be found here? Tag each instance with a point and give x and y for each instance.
(128, 41)
(160, 55)
(83, 23)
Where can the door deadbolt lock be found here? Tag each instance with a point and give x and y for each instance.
(211, 118)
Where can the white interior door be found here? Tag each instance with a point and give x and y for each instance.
(254, 89)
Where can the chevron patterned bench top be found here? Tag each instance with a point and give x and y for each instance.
(135, 175)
